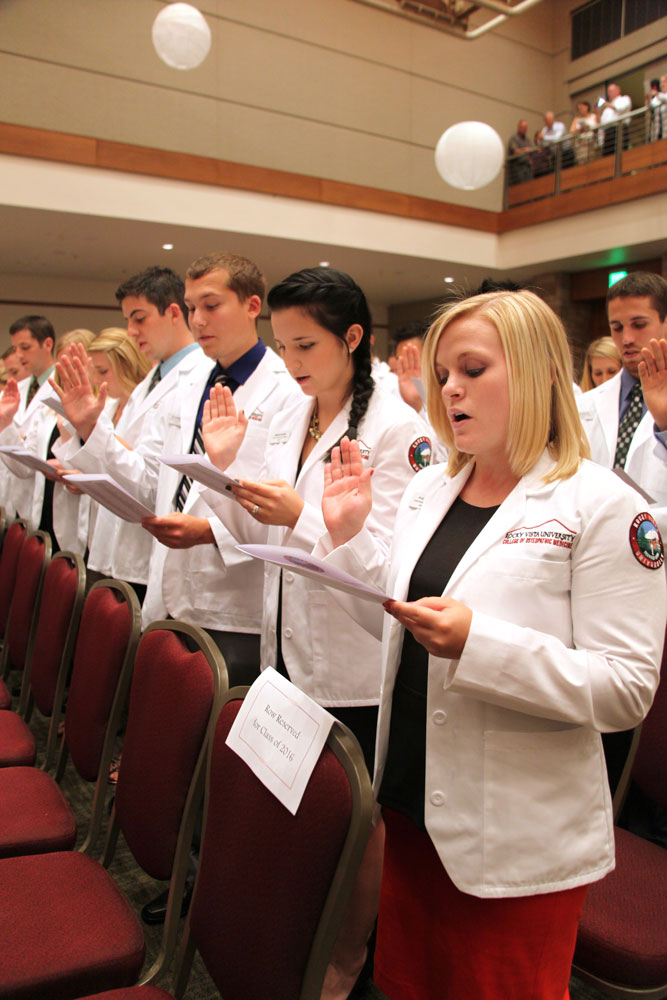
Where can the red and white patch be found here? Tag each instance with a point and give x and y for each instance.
(646, 543)
(552, 532)
(419, 453)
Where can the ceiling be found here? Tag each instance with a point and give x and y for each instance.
(91, 248)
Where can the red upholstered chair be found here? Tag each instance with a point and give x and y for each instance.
(66, 928)
(50, 655)
(272, 888)
(34, 557)
(622, 939)
(12, 544)
(35, 816)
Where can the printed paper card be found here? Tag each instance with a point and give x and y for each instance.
(279, 733)
(306, 565)
(199, 468)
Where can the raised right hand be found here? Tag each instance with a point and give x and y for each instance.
(9, 403)
(82, 407)
(347, 497)
(223, 429)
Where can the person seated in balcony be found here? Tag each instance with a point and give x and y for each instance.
(519, 147)
(582, 128)
(616, 106)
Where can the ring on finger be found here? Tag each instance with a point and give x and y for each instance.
(255, 510)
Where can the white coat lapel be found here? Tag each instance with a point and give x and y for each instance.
(607, 405)
(332, 434)
(643, 434)
(190, 390)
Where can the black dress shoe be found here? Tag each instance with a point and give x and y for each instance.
(156, 911)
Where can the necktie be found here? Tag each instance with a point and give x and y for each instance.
(32, 389)
(628, 425)
(218, 377)
(156, 377)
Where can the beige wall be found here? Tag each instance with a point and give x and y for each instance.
(331, 88)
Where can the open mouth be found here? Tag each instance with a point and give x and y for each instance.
(456, 418)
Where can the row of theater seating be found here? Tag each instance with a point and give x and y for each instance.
(271, 887)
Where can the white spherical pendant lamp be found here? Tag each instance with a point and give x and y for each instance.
(469, 155)
(181, 36)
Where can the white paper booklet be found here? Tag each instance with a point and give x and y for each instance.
(301, 562)
(279, 732)
(101, 487)
(52, 400)
(199, 468)
(26, 457)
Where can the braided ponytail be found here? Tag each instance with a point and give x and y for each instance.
(336, 302)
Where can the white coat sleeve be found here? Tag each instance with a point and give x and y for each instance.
(618, 607)
(136, 469)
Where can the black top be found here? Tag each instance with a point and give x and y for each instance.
(402, 786)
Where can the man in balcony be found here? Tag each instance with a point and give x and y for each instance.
(616, 105)
(519, 147)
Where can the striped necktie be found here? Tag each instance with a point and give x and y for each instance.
(157, 377)
(33, 389)
(197, 446)
(628, 425)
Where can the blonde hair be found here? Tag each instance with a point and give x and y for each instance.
(79, 336)
(543, 412)
(603, 347)
(128, 364)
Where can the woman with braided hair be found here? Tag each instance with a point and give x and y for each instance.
(322, 326)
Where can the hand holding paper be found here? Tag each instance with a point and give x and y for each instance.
(223, 429)
(179, 531)
(347, 497)
(82, 407)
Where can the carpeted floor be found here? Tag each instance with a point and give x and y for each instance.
(140, 888)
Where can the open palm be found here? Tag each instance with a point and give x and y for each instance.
(347, 498)
(223, 429)
(9, 403)
(82, 407)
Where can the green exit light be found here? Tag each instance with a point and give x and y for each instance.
(615, 276)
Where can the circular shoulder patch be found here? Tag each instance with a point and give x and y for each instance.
(419, 455)
(646, 543)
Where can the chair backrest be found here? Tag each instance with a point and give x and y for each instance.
(57, 626)
(648, 770)
(177, 686)
(272, 888)
(33, 560)
(9, 559)
(106, 644)
(105, 647)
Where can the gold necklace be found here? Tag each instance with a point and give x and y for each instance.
(314, 426)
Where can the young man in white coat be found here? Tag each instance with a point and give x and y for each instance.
(625, 418)
(153, 306)
(21, 407)
(196, 572)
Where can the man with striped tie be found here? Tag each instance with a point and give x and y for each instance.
(196, 572)
(626, 418)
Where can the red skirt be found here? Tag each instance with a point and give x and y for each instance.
(435, 942)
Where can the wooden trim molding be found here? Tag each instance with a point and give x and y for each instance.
(20, 140)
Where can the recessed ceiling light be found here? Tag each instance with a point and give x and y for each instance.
(448, 281)
(324, 263)
(167, 246)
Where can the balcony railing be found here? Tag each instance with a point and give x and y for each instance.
(580, 159)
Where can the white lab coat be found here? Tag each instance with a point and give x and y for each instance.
(565, 642)
(118, 548)
(326, 653)
(646, 461)
(29, 429)
(213, 586)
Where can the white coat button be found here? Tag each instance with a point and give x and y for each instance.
(288, 577)
(437, 798)
(287, 633)
(439, 717)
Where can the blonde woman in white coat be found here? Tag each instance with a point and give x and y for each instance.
(322, 327)
(528, 616)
